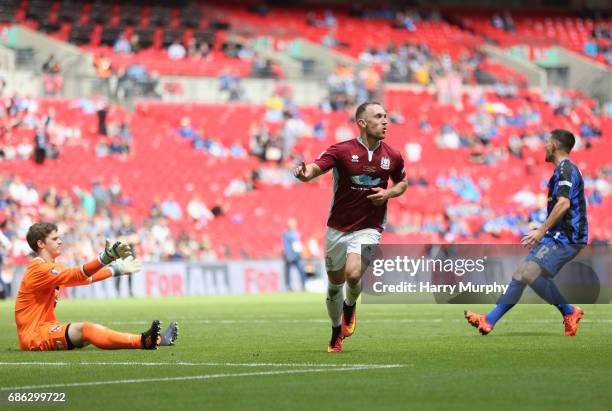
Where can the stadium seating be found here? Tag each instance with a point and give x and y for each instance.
(95, 25)
(539, 29)
(162, 162)
(96, 28)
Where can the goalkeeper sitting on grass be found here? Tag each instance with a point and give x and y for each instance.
(37, 326)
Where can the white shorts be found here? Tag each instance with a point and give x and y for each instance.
(338, 244)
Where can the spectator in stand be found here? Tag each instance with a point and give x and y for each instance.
(53, 81)
(41, 145)
(122, 45)
(238, 186)
(329, 20)
(185, 129)
(100, 195)
(231, 83)
(590, 48)
(219, 209)
(329, 39)
(102, 107)
(311, 19)
(104, 71)
(118, 146)
(170, 208)
(205, 251)
(413, 152)
(197, 50)
(88, 202)
(406, 21)
(176, 51)
(198, 212)
(237, 150)
(115, 192)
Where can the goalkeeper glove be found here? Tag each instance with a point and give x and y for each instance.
(113, 252)
(125, 266)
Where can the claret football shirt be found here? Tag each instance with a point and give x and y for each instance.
(356, 170)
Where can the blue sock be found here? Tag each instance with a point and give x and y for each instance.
(506, 301)
(565, 309)
(546, 288)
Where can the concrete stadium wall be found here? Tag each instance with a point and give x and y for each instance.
(536, 76)
(256, 91)
(591, 77)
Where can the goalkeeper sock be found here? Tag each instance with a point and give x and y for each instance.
(334, 303)
(352, 292)
(108, 339)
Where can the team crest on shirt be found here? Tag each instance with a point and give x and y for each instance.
(55, 271)
(385, 163)
(355, 158)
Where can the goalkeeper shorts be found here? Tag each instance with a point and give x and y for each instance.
(48, 337)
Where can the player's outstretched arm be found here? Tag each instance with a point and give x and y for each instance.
(305, 172)
(126, 266)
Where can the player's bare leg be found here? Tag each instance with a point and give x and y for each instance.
(334, 301)
(353, 273)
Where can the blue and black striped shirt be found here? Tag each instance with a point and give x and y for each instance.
(566, 181)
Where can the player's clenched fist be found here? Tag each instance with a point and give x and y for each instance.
(299, 172)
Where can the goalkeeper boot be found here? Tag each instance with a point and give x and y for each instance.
(571, 321)
(150, 339)
(349, 319)
(169, 336)
(335, 343)
(479, 321)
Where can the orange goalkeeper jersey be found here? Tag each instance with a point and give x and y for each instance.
(35, 303)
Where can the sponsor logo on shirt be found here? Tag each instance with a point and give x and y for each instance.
(54, 329)
(355, 158)
(365, 180)
(385, 163)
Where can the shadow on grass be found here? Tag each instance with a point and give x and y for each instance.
(532, 334)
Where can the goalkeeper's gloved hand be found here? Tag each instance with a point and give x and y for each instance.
(113, 252)
(123, 266)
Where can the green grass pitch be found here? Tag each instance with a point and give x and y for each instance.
(269, 352)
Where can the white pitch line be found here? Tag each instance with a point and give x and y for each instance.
(194, 377)
(379, 321)
(195, 364)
